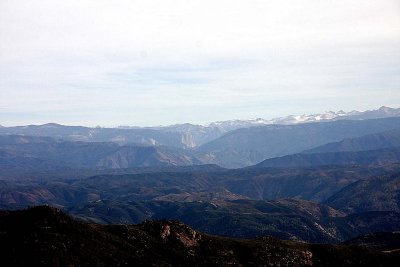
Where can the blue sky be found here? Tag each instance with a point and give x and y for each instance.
(151, 62)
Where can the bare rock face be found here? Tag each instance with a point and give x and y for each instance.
(165, 232)
(187, 140)
(176, 232)
(189, 237)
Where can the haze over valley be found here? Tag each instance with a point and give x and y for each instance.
(327, 180)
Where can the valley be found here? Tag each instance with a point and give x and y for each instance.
(332, 182)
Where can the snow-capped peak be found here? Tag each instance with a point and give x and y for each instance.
(298, 119)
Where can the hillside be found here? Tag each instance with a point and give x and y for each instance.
(288, 219)
(232, 144)
(43, 153)
(380, 193)
(315, 184)
(384, 241)
(142, 136)
(46, 237)
(248, 146)
(184, 135)
(388, 139)
(368, 157)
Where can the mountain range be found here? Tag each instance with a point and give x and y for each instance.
(248, 146)
(238, 148)
(231, 203)
(185, 135)
(382, 112)
(331, 178)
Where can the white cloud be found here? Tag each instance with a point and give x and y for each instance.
(160, 62)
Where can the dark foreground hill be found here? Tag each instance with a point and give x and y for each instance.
(384, 241)
(44, 236)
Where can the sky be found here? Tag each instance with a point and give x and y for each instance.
(149, 62)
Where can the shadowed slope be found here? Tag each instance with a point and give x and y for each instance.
(44, 236)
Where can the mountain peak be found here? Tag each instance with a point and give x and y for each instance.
(307, 118)
(386, 109)
(51, 124)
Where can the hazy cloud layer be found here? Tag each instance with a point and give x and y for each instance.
(162, 62)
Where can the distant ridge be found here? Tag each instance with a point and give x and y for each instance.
(166, 146)
(45, 153)
(249, 146)
(382, 112)
(221, 127)
(380, 193)
(368, 157)
(387, 139)
(378, 148)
